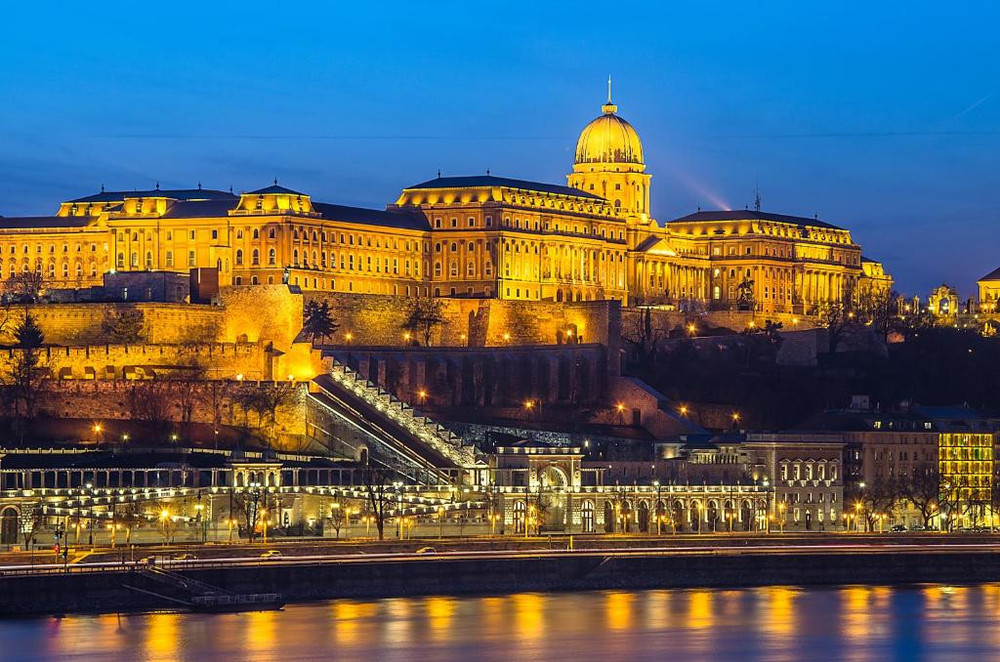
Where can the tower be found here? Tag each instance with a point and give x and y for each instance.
(609, 163)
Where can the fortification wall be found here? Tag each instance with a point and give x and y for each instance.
(80, 323)
(210, 402)
(374, 319)
(262, 313)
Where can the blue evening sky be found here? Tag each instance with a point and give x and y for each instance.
(880, 116)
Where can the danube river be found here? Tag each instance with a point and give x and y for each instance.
(847, 623)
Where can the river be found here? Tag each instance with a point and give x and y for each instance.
(780, 623)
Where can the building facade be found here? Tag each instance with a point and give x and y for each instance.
(479, 236)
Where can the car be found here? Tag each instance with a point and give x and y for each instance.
(898, 528)
(147, 560)
(271, 554)
(426, 550)
(185, 557)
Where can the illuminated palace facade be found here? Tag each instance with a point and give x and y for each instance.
(478, 236)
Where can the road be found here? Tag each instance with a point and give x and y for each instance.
(297, 554)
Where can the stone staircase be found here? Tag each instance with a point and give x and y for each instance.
(421, 429)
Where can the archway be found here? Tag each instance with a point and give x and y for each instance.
(8, 526)
(713, 515)
(643, 517)
(677, 516)
(587, 516)
(609, 517)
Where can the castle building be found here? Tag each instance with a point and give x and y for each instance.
(989, 291)
(475, 236)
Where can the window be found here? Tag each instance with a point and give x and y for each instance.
(191, 258)
(193, 234)
(255, 257)
(239, 257)
(215, 234)
(271, 256)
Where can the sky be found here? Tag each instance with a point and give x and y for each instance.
(882, 117)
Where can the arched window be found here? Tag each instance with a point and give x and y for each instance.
(239, 257)
(271, 256)
(255, 257)
(256, 233)
(271, 233)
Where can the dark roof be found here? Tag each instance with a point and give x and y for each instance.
(490, 180)
(752, 215)
(32, 222)
(176, 194)
(390, 219)
(993, 275)
(200, 208)
(275, 189)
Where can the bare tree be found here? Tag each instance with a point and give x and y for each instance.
(123, 323)
(249, 502)
(922, 489)
(338, 515)
(641, 334)
(426, 314)
(24, 287)
(380, 499)
(31, 518)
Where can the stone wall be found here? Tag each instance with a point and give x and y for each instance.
(442, 377)
(184, 402)
(374, 319)
(80, 323)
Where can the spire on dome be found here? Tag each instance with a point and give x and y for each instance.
(609, 108)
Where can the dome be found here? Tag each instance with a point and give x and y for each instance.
(609, 139)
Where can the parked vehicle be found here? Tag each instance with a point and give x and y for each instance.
(898, 528)
(426, 550)
(270, 554)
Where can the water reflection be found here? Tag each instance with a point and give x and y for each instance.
(778, 623)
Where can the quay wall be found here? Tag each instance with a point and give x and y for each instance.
(104, 591)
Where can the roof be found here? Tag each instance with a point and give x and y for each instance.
(753, 215)
(390, 219)
(200, 208)
(36, 222)
(274, 189)
(176, 194)
(490, 180)
(993, 275)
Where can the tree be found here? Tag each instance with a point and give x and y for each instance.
(379, 496)
(24, 372)
(23, 287)
(922, 489)
(123, 323)
(426, 314)
(149, 401)
(317, 322)
(338, 515)
(641, 334)
(249, 503)
(32, 516)
(878, 307)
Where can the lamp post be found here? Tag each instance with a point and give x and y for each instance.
(399, 509)
(767, 505)
(659, 515)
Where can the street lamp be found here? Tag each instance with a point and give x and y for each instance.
(781, 521)
(659, 514)
(620, 408)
